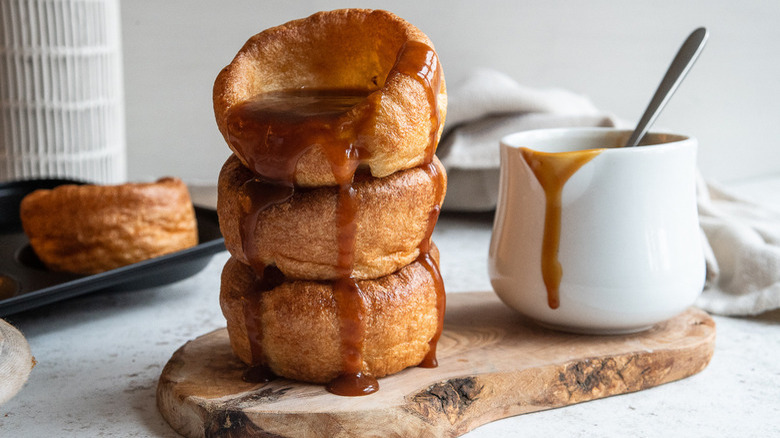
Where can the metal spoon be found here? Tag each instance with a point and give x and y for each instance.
(683, 62)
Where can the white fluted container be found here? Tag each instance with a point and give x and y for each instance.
(61, 90)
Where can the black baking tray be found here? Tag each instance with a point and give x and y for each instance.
(25, 283)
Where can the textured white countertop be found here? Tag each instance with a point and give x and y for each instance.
(99, 358)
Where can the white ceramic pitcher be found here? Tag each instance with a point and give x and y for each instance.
(628, 246)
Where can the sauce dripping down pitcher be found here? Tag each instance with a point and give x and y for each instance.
(591, 237)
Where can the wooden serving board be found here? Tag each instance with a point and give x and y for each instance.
(493, 364)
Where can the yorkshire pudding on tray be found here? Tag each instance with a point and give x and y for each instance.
(87, 229)
(390, 101)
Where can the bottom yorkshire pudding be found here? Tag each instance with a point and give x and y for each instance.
(293, 328)
(87, 229)
(300, 235)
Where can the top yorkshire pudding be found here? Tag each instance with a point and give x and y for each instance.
(308, 101)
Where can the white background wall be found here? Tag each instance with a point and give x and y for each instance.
(613, 51)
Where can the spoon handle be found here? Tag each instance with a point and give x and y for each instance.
(679, 67)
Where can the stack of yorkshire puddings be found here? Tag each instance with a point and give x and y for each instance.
(329, 200)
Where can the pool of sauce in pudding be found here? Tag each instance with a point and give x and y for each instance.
(552, 170)
(271, 132)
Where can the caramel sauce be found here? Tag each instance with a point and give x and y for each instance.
(352, 315)
(259, 195)
(419, 61)
(350, 303)
(353, 384)
(552, 170)
(258, 374)
(425, 259)
(268, 278)
(272, 131)
(429, 76)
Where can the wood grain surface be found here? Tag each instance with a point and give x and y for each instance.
(493, 363)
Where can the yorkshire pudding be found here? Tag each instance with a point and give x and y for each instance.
(87, 229)
(297, 322)
(300, 235)
(386, 67)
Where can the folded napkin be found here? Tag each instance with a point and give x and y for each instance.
(741, 240)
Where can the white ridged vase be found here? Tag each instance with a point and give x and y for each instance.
(61, 90)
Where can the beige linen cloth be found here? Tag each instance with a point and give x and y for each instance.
(741, 240)
(743, 253)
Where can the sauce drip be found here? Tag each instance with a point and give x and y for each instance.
(425, 259)
(419, 61)
(349, 302)
(428, 74)
(351, 306)
(272, 131)
(267, 279)
(259, 195)
(552, 170)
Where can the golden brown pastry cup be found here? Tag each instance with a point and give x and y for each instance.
(341, 49)
(300, 236)
(299, 322)
(87, 229)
